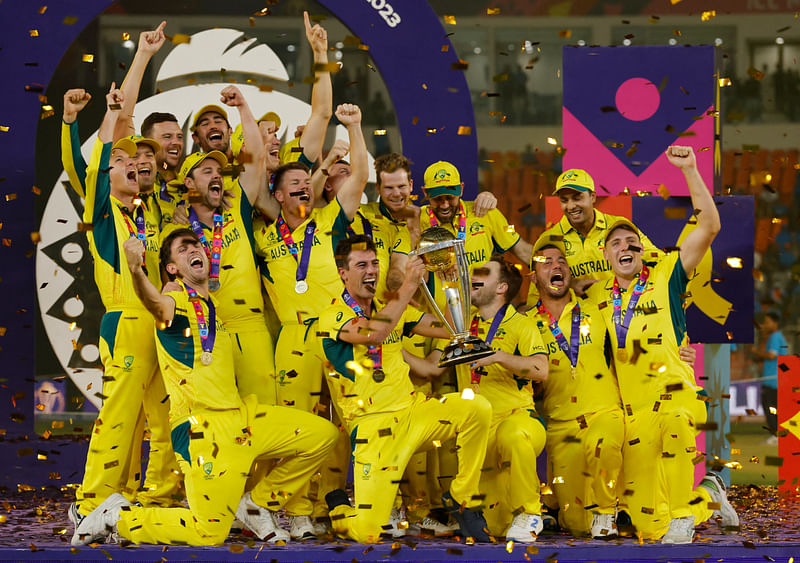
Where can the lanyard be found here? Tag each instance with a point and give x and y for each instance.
(214, 252)
(475, 376)
(365, 225)
(621, 325)
(139, 230)
(375, 352)
(570, 349)
(163, 193)
(462, 220)
(208, 331)
(308, 242)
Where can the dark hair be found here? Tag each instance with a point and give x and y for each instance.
(283, 169)
(389, 163)
(345, 247)
(540, 249)
(153, 118)
(509, 275)
(774, 315)
(165, 254)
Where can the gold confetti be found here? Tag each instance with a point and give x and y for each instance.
(464, 130)
(552, 141)
(87, 58)
(565, 33)
(126, 36)
(33, 32)
(734, 262)
(707, 15)
(379, 132)
(179, 38)
(4, 128)
(724, 82)
(450, 20)
(70, 20)
(42, 10)
(674, 1)
(509, 545)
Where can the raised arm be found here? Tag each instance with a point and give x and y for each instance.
(162, 307)
(114, 100)
(72, 159)
(253, 176)
(338, 151)
(523, 250)
(376, 329)
(697, 242)
(321, 92)
(149, 44)
(349, 194)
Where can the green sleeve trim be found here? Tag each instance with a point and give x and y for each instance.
(78, 162)
(678, 281)
(174, 341)
(303, 159)
(339, 353)
(104, 229)
(339, 229)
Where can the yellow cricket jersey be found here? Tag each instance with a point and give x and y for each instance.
(516, 335)
(585, 254)
(192, 386)
(350, 374)
(169, 196)
(241, 305)
(388, 235)
(279, 268)
(592, 387)
(110, 228)
(652, 368)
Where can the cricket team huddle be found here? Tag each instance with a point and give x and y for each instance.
(267, 330)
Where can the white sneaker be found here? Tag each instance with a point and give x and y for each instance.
(432, 527)
(715, 486)
(301, 528)
(100, 522)
(75, 517)
(681, 530)
(604, 526)
(260, 521)
(322, 527)
(525, 528)
(398, 525)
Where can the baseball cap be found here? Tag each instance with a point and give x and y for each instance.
(544, 241)
(624, 223)
(271, 116)
(206, 109)
(127, 145)
(575, 179)
(139, 140)
(191, 161)
(442, 178)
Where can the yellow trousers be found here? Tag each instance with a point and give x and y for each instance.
(384, 443)
(216, 461)
(658, 464)
(509, 479)
(132, 385)
(298, 367)
(254, 364)
(585, 459)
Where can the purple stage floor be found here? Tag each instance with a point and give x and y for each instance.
(34, 526)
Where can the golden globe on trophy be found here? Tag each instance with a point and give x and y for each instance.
(443, 255)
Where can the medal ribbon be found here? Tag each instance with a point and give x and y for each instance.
(462, 220)
(621, 325)
(208, 331)
(475, 376)
(139, 230)
(308, 242)
(570, 349)
(365, 225)
(214, 250)
(375, 352)
(163, 193)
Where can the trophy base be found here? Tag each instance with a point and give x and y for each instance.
(464, 350)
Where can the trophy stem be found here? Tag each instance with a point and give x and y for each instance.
(432, 305)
